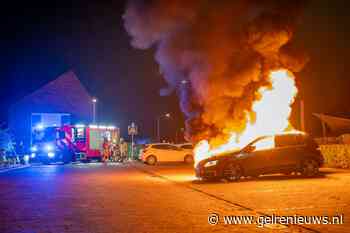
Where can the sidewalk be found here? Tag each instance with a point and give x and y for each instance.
(13, 167)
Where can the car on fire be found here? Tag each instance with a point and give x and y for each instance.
(165, 152)
(288, 153)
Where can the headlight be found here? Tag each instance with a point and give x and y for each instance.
(210, 163)
(51, 154)
(34, 149)
(33, 155)
(49, 147)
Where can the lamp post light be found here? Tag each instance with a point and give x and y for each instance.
(94, 103)
(166, 115)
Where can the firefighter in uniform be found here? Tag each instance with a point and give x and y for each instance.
(123, 150)
(114, 151)
(106, 150)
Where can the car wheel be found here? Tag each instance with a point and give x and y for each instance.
(232, 172)
(151, 160)
(309, 168)
(188, 159)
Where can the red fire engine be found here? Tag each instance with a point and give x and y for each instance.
(86, 142)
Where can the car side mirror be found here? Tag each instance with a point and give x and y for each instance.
(249, 149)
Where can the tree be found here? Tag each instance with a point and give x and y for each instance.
(6, 141)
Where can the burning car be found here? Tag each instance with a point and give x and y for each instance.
(284, 153)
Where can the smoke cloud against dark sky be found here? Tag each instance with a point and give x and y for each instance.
(41, 40)
(216, 54)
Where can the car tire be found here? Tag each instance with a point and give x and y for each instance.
(188, 159)
(232, 172)
(151, 160)
(309, 168)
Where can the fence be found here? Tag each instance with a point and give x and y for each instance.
(9, 161)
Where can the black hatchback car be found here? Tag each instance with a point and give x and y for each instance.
(291, 153)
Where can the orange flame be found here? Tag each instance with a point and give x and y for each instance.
(272, 117)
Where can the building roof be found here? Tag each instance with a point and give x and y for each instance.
(333, 122)
(66, 94)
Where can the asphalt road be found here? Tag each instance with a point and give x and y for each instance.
(99, 198)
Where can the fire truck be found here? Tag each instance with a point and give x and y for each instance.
(86, 142)
(75, 142)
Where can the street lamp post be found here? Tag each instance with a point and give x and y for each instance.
(167, 115)
(94, 103)
(177, 134)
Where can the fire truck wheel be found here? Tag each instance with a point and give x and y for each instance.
(151, 160)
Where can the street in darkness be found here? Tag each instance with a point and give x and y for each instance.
(175, 116)
(133, 197)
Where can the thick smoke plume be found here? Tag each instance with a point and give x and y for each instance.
(216, 54)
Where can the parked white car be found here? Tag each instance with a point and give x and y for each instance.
(165, 152)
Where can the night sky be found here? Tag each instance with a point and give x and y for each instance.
(41, 41)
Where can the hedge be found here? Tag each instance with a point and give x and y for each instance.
(336, 155)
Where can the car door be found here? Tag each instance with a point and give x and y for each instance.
(260, 159)
(188, 149)
(176, 153)
(181, 153)
(160, 152)
(165, 153)
(287, 152)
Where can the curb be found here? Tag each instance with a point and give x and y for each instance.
(14, 168)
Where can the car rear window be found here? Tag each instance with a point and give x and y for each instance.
(286, 140)
(187, 147)
(311, 143)
(172, 147)
(165, 147)
(161, 147)
(292, 140)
